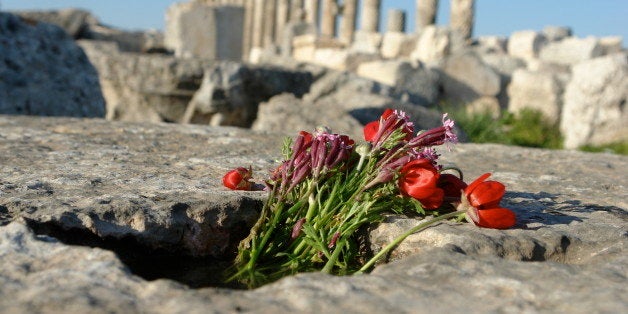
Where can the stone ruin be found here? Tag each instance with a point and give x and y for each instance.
(115, 216)
(226, 62)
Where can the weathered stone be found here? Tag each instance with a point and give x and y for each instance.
(525, 44)
(425, 14)
(419, 83)
(396, 21)
(349, 17)
(370, 15)
(139, 41)
(197, 30)
(435, 43)
(466, 77)
(571, 50)
(610, 44)
(491, 44)
(540, 91)
(366, 42)
(290, 33)
(75, 22)
(505, 65)
(144, 87)
(393, 44)
(594, 102)
(333, 58)
(556, 33)
(231, 92)
(462, 16)
(566, 254)
(44, 72)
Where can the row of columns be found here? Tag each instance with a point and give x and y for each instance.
(265, 20)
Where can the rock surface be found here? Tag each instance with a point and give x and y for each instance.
(153, 188)
(44, 72)
(594, 111)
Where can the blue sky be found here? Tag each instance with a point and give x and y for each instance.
(493, 17)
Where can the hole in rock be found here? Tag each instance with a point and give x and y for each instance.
(145, 262)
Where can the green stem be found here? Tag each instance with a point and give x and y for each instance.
(402, 237)
(333, 258)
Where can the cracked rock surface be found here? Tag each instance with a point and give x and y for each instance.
(73, 190)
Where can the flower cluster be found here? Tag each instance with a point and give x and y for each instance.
(327, 189)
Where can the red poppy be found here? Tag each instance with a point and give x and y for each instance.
(452, 186)
(418, 180)
(238, 179)
(481, 199)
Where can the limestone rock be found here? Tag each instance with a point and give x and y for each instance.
(44, 72)
(556, 33)
(526, 44)
(491, 44)
(611, 44)
(393, 44)
(540, 91)
(89, 182)
(231, 92)
(435, 43)
(341, 101)
(419, 83)
(366, 42)
(466, 77)
(199, 30)
(144, 87)
(594, 104)
(75, 22)
(571, 50)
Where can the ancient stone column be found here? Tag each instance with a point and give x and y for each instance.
(425, 14)
(258, 24)
(370, 15)
(283, 9)
(248, 28)
(311, 11)
(269, 22)
(462, 13)
(349, 15)
(396, 21)
(296, 11)
(328, 20)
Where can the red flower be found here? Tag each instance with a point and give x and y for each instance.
(481, 199)
(418, 180)
(452, 186)
(378, 131)
(238, 179)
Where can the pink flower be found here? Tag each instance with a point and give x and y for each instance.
(377, 132)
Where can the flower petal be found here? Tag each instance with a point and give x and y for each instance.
(496, 218)
(487, 194)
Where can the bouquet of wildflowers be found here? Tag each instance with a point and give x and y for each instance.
(328, 188)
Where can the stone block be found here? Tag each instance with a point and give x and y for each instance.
(594, 103)
(435, 43)
(196, 30)
(44, 72)
(419, 84)
(366, 42)
(611, 44)
(526, 44)
(393, 44)
(540, 91)
(491, 44)
(571, 50)
(466, 77)
(556, 33)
